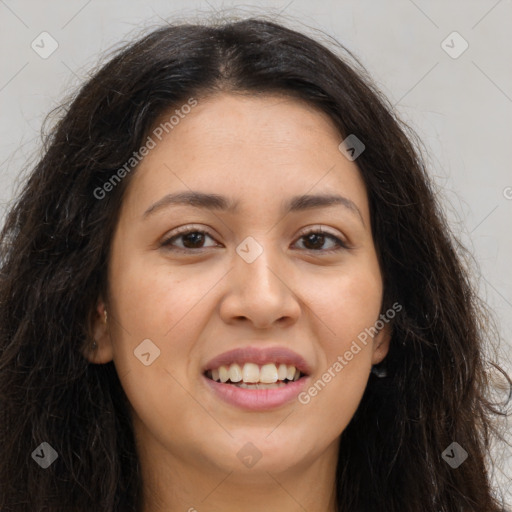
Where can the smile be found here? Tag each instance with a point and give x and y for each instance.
(253, 376)
(257, 378)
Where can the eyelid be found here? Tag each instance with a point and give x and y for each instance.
(317, 228)
(313, 229)
(183, 230)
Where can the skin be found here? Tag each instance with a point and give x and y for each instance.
(197, 305)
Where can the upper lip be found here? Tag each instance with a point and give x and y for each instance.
(259, 356)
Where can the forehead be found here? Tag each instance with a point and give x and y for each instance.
(252, 148)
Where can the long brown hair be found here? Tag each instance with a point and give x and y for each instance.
(55, 249)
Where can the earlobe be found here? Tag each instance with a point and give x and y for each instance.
(381, 344)
(99, 350)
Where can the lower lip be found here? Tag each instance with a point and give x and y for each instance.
(257, 399)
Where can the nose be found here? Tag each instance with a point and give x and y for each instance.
(262, 292)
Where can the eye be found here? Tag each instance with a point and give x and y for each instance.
(317, 238)
(194, 238)
(191, 238)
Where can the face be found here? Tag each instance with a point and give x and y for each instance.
(278, 285)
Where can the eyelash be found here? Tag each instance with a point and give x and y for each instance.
(187, 230)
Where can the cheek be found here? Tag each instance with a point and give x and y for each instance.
(167, 308)
(330, 402)
(171, 308)
(154, 299)
(347, 307)
(346, 301)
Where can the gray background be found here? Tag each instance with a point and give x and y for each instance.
(460, 107)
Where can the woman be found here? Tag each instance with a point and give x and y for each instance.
(228, 285)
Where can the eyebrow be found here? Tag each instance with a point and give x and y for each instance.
(222, 203)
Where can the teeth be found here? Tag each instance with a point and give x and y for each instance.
(235, 373)
(268, 373)
(282, 371)
(223, 374)
(250, 373)
(260, 386)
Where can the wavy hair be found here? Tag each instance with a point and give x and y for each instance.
(55, 246)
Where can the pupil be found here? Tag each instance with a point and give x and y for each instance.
(191, 236)
(319, 237)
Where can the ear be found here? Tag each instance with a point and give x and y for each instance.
(99, 333)
(381, 343)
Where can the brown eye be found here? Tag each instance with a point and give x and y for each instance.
(191, 239)
(315, 240)
(194, 239)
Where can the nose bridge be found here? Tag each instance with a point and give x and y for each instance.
(259, 290)
(257, 261)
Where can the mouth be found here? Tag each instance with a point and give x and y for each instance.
(254, 376)
(257, 379)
